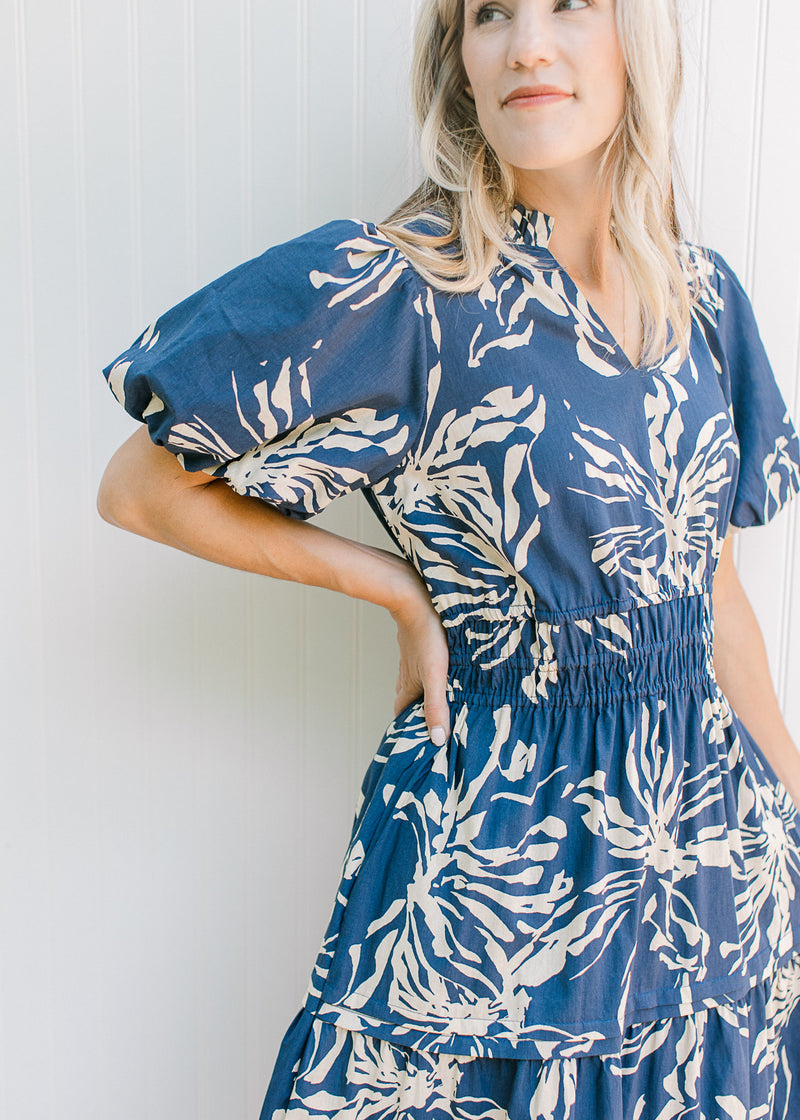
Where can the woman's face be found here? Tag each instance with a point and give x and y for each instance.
(512, 47)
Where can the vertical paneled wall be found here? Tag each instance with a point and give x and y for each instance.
(182, 744)
(743, 160)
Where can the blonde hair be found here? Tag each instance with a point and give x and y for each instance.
(469, 192)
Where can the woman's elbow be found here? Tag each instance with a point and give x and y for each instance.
(116, 500)
(144, 486)
(126, 488)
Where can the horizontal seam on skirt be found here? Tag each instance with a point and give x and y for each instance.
(673, 1010)
(539, 614)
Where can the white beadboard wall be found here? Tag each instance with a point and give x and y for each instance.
(182, 744)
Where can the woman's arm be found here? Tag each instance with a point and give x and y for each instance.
(145, 490)
(740, 665)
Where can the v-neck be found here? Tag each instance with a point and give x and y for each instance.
(534, 228)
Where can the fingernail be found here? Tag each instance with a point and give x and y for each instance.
(438, 736)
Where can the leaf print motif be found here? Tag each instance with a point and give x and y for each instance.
(515, 299)
(611, 632)
(516, 294)
(374, 267)
(675, 497)
(652, 840)
(504, 342)
(592, 350)
(298, 467)
(466, 898)
(769, 1046)
(381, 1081)
(461, 909)
(686, 1043)
(781, 473)
(767, 867)
(448, 501)
(116, 380)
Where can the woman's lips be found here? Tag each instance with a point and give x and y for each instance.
(531, 96)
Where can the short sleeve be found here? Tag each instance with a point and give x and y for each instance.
(769, 467)
(296, 377)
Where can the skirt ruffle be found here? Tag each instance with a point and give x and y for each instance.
(737, 1060)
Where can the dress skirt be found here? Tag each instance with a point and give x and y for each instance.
(583, 906)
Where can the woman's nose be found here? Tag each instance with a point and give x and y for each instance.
(532, 40)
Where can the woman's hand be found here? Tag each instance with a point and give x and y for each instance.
(423, 660)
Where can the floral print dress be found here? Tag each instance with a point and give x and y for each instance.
(586, 903)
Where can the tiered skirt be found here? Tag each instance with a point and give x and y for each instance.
(585, 905)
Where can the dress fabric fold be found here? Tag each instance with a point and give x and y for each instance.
(586, 902)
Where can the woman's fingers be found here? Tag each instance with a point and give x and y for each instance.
(437, 710)
(437, 733)
(405, 696)
(431, 685)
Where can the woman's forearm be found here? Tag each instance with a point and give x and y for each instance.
(146, 491)
(742, 670)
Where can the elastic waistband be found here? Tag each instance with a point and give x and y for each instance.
(516, 658)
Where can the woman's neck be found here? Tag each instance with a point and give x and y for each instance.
(582, 243)
(581, 240)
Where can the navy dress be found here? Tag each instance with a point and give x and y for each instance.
(586, 903)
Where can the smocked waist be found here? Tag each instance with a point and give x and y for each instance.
(512, 657)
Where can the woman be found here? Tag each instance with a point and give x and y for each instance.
(571, 889)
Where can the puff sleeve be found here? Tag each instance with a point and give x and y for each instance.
(769, 465)
(296, 377)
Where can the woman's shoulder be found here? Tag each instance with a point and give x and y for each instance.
(348, 258)
(720, 292)
(349, 239)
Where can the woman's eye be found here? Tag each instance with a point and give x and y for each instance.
(487, 13)
(492, 13)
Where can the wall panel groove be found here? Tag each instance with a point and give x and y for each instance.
(190, 95)
(135, 126)
(302, 112)
(28, 1029)
(757, 126)
(247, 127)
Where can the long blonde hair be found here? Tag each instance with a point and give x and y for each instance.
(469, 192)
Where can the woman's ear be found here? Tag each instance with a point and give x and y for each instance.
(469, 93)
